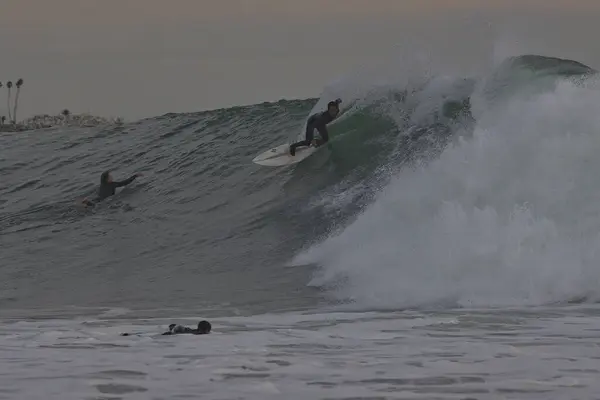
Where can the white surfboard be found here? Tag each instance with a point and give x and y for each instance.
(280, 156)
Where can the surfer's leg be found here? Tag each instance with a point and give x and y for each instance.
(298, 144)
(306, 142)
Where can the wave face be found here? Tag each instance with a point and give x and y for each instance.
(459, 192)
(505, 216)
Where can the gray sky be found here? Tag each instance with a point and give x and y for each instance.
(138, 58)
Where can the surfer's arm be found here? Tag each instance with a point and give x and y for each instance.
(324, 134)
(126, 181)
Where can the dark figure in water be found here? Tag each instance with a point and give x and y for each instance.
(108, 187)
(204, 328)
(319, 122)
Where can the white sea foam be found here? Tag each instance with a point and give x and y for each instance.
(330, 355)
(508, 217)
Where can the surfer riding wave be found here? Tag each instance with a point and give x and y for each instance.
(319, 122)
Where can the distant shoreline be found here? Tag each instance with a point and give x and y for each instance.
(8, 123)
(65, 119)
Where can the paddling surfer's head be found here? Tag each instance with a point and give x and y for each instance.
(105, 178)
(204, 327)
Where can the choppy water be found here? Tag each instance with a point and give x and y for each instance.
(443, 246)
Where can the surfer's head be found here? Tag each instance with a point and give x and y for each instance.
(204, 327)
(105, 178)
(333, 108)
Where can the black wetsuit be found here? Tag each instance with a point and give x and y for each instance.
(319, 122)
(108, 189)
(204, 328)
(179, 329)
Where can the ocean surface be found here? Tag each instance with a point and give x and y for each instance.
(444, 245)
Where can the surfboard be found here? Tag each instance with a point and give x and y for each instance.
(280, 156)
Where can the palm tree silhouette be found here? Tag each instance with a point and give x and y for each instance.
(9, 86)
(19, 84)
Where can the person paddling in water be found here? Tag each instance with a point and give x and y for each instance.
(108, 187)
(319, 122)
(204, 328)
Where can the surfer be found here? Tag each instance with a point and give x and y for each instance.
(319, 122)
(204, 328)
(108, 187)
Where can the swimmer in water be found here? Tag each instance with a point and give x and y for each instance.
(108, 187)
(204, 328)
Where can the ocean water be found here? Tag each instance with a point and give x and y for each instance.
(443, 246)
